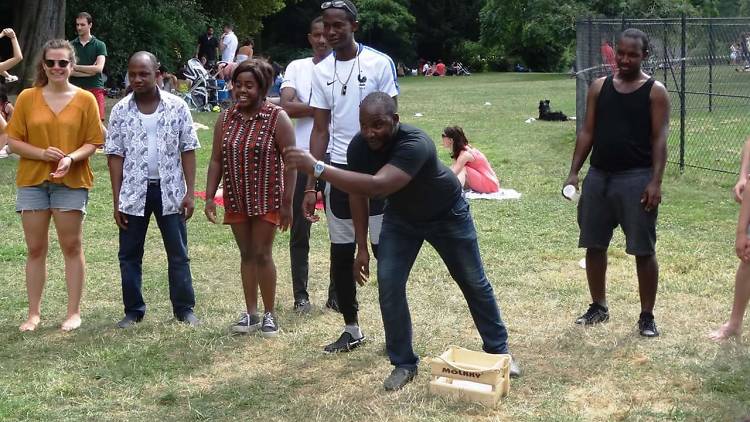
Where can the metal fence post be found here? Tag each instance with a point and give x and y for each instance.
(589, 59)
(667, 63)
(683, 61)
(711, 52)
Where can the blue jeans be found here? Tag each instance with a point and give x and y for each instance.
(174, 235)
(454, 237)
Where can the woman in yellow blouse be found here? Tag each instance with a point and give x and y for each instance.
(55, 128)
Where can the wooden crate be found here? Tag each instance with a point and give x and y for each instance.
(467, 375)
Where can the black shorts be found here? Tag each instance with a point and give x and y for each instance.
(609, 199)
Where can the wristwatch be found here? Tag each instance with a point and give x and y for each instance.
(318, 169)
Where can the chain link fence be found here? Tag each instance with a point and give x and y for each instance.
(705, 65)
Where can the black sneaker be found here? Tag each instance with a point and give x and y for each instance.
(269, 328)
(247, 323)
(128, 321)
(345, 343)
(647, 327)
(399, 378)
(302, 306)
(189, 319)
(595, 315)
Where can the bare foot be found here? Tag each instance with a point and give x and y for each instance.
(724, 332)
(73, 322)
(30, 324)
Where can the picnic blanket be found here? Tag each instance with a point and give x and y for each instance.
(502, 194)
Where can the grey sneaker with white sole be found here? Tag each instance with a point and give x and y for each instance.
(269, 328)
(247, 323)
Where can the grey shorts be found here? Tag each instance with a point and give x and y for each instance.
(609, 199)
(51, 196)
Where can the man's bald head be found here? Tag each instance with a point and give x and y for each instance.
(147, 56)
(378, 120)
(143, 67)
(379, 103)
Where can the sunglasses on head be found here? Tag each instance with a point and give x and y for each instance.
(59, 63)
(337, 5)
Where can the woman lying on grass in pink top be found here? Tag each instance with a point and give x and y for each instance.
(469, 164)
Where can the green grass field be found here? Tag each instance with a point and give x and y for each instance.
(161, 370)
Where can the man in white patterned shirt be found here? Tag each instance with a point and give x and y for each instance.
(151, 155)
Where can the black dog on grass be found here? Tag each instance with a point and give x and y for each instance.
(551, 116)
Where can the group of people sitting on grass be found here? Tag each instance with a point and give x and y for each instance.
(385, 189)
(439, 68)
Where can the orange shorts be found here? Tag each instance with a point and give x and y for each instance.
(273, 217)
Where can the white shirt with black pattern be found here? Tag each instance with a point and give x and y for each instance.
(127, 138)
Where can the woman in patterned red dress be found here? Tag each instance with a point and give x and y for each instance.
(249, 139)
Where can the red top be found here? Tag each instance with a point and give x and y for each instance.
(440, 69)
(608, 55)
(253, 169)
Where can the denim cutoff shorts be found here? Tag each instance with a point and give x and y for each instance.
(49, 195)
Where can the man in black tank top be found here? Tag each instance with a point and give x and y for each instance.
(627, 120)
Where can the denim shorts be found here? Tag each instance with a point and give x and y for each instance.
(609, 199)
(51, 196)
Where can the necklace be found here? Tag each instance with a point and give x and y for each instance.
(351, 71)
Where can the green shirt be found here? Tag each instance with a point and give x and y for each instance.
(86, 55)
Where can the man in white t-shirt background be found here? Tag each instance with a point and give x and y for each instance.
(228, 44)
(340, 82)
(296, 93)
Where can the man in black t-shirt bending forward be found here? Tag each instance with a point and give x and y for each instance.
(627, 120)
(423, 202)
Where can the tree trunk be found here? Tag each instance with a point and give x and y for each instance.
(36, 22)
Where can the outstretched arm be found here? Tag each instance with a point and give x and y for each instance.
(387, 180)
(17, 55)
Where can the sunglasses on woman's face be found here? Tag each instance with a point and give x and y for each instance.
(60, 63)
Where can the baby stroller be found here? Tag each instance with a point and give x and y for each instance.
(461, 70)
(204, 89)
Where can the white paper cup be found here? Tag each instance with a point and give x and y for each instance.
(570, 192)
